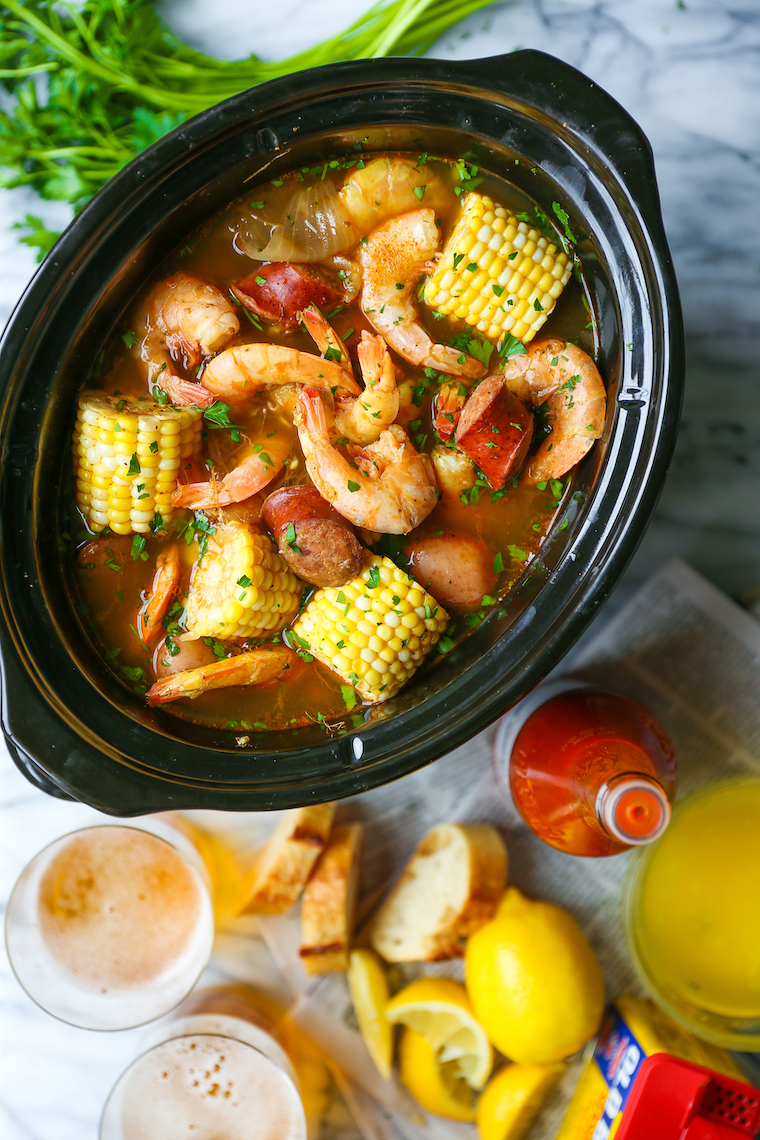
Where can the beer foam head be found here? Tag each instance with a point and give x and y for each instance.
(206, 1086)
(118, 909)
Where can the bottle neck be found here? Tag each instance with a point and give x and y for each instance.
(633, 808)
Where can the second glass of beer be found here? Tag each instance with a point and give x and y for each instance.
(110, 927)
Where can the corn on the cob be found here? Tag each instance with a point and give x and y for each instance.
(496, 273)
(127, 455)
(241, 587)
(375, 631)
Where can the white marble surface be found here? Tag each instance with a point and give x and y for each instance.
(689, 72)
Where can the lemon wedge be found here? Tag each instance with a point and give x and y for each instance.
(512, 1098)
(436, 1087)
(368, 988)
(439, 1010)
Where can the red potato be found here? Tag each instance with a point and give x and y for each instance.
(279, 291)
(456, 568)
(187, 655)
(322, 547)
(495, 430)
(101, 551)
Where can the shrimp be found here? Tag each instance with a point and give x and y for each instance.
(392, 487)
(566, 378)
(238, 373)
(325, 337)
(257, 465)
(447, 407)
(359, 418)
(393, 258)
(165, 586)
(363, 419)
(256, 667)
(388, 186)
(187, 317)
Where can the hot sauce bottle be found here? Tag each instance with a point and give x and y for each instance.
(593, 773)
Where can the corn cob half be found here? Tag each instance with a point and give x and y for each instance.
(127, 456)
(496, 273)
(375, 631)
(241, 587)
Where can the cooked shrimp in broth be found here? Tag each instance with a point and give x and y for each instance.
(388, 486)
(307, 470)
(393, 259)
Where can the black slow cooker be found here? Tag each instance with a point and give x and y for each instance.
(71, 725)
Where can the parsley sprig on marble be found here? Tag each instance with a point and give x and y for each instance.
(117, 79)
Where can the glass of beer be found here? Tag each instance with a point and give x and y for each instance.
(111, 926)
(217, 1070)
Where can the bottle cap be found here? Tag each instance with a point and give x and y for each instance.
(634, 810)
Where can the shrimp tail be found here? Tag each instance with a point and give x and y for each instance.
(165, 587)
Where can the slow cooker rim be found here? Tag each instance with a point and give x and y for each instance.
(622, 544)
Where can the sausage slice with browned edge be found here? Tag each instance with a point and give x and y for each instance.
(495, 430)
(279, 291)
(317, 543)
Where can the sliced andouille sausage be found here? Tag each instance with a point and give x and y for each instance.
(456, 568)
(279, 291)
(317, 543)
(495, 430)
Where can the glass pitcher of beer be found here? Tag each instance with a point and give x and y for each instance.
(111, 926)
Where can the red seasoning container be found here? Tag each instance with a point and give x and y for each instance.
(593, 773)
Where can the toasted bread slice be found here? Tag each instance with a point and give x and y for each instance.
(283, 865)
(449, 888)
(328, 907)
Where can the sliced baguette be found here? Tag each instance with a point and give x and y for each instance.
(283, 865)
(449, 889)
(328, 906)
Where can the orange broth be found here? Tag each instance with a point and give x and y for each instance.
(110, 595)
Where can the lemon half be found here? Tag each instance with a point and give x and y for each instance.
(435, 1087)
(440, 1011)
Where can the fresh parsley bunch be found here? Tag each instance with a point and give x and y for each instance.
(115, 79)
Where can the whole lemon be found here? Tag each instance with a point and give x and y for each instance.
(534, 981)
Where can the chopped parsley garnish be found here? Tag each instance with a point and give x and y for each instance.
(373, 579)
(418, 191)
(498, 563)
(244, 581)
(349, 697)
(216, 647)
(130, 338)
(134, 464)
(562, 215)
(218, 415)
(290, 538)
(511, 346)
(352, 486)
(138, 548)
(457, 258)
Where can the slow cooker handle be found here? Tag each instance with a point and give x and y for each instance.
(571, 104)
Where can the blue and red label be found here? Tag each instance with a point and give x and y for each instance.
(619, 1057)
